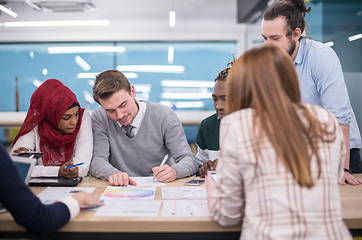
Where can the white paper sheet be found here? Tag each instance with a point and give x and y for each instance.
(185, 208)
(51, 194)
(129, 208)
(127, 193)
(147, 182)
(183, 192)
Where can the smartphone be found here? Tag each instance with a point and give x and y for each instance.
(194, 182)
(35, 155)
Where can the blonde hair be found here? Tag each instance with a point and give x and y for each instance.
(264, 78)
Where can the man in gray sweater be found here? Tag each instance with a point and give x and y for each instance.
(130, 137)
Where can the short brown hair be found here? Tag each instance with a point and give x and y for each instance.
(109, 82)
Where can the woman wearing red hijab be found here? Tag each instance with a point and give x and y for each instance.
(52, 127)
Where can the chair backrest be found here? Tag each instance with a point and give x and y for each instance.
(2, 136)
(191, 132)
(13, 131)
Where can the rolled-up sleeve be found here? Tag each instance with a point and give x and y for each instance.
(328, 77)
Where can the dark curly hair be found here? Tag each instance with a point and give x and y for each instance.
(224, 73)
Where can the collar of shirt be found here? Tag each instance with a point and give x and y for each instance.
(299, 58)
(137, 121)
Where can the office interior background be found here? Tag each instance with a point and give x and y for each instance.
(170, 50)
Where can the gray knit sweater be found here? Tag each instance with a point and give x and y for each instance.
(160, 133)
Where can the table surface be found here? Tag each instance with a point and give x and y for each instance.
(351, 197)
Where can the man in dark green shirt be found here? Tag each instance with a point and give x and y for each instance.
(207, 138)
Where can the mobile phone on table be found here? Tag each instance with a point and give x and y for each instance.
(194, 182)
(35, 155)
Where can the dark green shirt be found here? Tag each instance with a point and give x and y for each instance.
(207, 137)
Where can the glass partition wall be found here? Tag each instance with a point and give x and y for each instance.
(178, 74)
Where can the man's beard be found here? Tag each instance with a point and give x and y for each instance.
(292, 47)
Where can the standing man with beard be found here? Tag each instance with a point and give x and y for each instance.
(320, 73)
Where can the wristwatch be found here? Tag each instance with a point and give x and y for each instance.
(347, 170)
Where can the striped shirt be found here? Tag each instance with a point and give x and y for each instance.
(266, 198)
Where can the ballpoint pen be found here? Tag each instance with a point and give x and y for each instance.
(163, 162)
(77, 164)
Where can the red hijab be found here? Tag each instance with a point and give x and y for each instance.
(47, 105)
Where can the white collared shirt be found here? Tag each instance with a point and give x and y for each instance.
(137, 121)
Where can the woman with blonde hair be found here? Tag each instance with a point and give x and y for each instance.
(280, 161)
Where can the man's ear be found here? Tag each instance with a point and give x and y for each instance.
(296, 34)
(133, 91)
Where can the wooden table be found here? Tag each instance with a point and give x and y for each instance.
(351, 199)
(88, 226)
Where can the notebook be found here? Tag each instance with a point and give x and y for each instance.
(25, 167)
(54, 182)
(49, 181)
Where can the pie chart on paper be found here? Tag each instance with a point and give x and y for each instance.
(128, 193)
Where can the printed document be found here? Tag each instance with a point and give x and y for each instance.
(51, 194)
(185, 208)
(183, 192)
(129, 208)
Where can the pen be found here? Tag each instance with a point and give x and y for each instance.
(163, 162)
(77, 164)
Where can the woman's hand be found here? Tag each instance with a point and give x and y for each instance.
(210, 186)
(85, 199)
(70, 173)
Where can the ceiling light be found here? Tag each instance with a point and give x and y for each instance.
(355, 37)
(152, 68)
(142, 87)
(329, 44)
(170, 54)
(191, 104)
(187, 83)
(173, 95)
(183, 89)
(34, 6)
(37, 83)
(83, 64)
(8, 11)
(88, 97)
(57, 23)
(172, 19)
(93, 75)
(60, 50)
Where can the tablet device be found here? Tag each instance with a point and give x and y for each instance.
(25, 167)
(54, 182)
